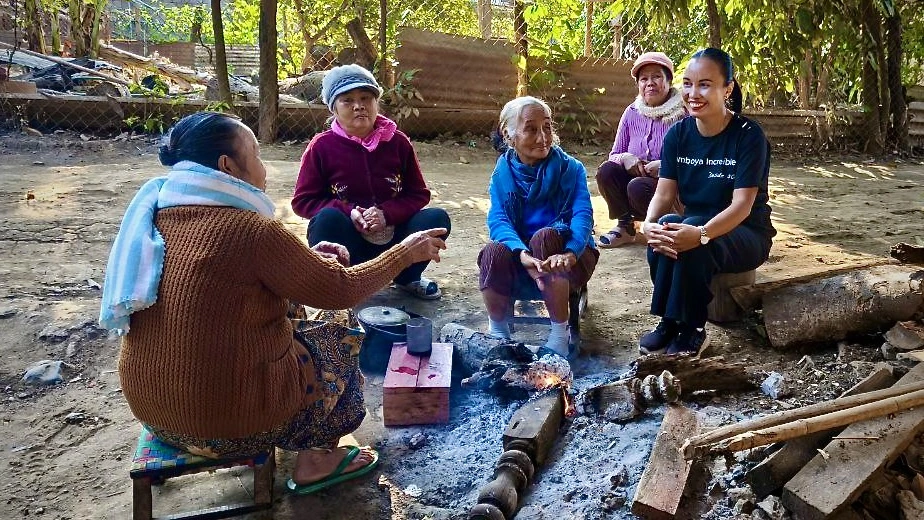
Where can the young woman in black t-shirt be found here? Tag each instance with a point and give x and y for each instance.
(717, 162)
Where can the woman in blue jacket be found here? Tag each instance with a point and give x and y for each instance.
(540, 222)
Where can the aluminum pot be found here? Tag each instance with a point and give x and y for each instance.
(384, 326)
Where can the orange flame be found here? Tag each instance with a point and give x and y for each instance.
(570, 409)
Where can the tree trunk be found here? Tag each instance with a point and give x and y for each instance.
(55, 33)
(715, 24)
(824, 79)
(308, 62)
(899, 109)
(617, 36)
(99, 7)
(75, 13)
(269, 71)
(712, 373)
(385, 76)
(366, 53)
(588, 27)
(831, 309)
(485, 14)
(195, 32)
(308, 59)
(877, 30)
(870, 81)
(522, 47)
(34, 33)
(221, 60)
(806, 80)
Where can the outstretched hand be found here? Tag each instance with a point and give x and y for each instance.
(425, 245)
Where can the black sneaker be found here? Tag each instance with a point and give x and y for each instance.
(656, 341)
(689, 341)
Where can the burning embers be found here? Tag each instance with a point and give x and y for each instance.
(514, 369)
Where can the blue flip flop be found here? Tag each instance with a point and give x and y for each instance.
(337, 476)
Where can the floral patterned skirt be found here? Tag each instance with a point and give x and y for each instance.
(340, 409)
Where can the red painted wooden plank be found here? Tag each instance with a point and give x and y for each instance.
(401, 374)
(436, 369)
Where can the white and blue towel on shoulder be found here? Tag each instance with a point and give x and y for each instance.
(136, 260)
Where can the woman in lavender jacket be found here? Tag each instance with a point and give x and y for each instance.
(628, 178)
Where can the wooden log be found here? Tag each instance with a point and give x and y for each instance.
(774, 471)
(694, 374)
(470, 346)
(750, 297)
(827, 485)
(665, 477)
(907, 253)
(534, 427)
(833, 308)
(693, 446)
(906, 335)
(263, 477)
(723, 308)
(182, 75)
(912, 508)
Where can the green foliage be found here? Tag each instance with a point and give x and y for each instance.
(400, 98)
(160, 88)
(149, 124)
(219, 106)
(574, 106)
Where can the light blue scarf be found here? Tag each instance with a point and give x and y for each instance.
(136, 260)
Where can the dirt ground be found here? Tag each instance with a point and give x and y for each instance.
(61, 201)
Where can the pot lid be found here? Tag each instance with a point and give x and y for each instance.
(383, 316)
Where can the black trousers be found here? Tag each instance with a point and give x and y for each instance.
(331, 225)
(681, 287)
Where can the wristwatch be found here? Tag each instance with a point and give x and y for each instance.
(703, 236)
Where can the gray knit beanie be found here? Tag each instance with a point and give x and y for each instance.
(345, 78)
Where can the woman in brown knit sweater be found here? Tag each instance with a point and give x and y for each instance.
(202, 274)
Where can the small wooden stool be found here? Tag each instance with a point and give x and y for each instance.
(416, 389)
(154, 462)
(723, 308)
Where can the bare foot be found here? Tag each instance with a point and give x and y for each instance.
(312, 465)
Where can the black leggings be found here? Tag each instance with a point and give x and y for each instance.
(332, 225)
(681, 287)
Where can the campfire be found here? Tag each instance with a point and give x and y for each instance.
(514, 370)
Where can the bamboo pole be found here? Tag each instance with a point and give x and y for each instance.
(66, 63)
(693, 447)
(800, 427)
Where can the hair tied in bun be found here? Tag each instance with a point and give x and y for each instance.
(166, 155)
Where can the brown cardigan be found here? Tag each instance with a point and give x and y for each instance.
(215, 358)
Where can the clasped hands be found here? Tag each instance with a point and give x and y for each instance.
(671, 238)
(638, 167)
(368, 220)
(555, 265)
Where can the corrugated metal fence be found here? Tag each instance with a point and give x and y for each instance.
(916, 123)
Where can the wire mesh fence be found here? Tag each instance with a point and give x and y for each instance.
(448, 67)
